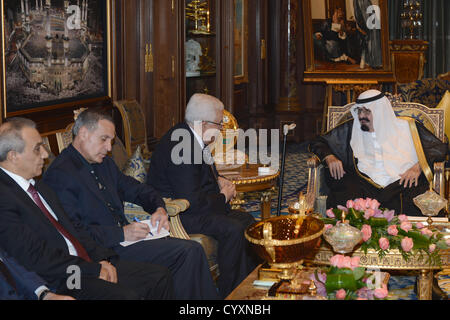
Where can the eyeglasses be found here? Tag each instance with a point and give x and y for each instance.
(215, 123)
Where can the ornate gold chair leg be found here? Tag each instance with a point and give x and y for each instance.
(425, 285)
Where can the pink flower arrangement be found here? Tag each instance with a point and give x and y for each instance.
(341, 261)
(382, 230)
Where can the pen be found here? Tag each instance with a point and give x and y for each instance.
(137, 220)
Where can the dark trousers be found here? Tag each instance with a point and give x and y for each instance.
(186, 261)
(235, 257)
(136, 281)
(393, 197)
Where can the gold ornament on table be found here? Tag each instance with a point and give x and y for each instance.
(198, 11)
(285, 241)
(430, 204)
(343, 237)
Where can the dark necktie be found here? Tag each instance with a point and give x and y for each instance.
(9, 278)
(80, 249)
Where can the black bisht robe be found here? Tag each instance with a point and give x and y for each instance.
(356, 184)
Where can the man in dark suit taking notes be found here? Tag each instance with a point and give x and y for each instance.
(92, 190)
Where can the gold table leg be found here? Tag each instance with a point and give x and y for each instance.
(425, 285)
(237, 201)
(266, 207)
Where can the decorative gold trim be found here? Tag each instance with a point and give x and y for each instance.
(419, 150)
(364, 177)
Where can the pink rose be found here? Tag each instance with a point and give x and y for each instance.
(447, 242)
(407, 244)
(369, 213)
(406, 226)
(366, 232)
(354, 262)
(328, 226)
(358, 204)
(382, 292)
(330, 213)
(367, 203)
(402, 218)
(426, 232)
(350, 204)
(419, 225)
(337, 261)
(374, 204)
(347, 262)
(340, 294)
(431, 248)
(392, 230)
(384, 243)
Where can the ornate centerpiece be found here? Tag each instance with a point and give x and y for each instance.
(286, 240)
(343, 237)
(430, 203)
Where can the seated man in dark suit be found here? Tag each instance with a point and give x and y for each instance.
(35, 230)
(17, 283)
(208, 193)
(92, 190)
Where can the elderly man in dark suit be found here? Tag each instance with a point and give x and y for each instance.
(35, 230)
(17, 283)
(92, 190)
(189, 173)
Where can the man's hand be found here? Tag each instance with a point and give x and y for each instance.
(135, 231)
(160, 215)
(411, 176)
(54, 296)
(108, 272)
(229, 191)
(335, 166)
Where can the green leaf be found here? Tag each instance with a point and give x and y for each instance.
(378, 222)
(359, 272)
(340, 281)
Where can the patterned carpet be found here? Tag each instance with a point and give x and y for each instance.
(296, 178)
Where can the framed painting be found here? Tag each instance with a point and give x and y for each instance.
(240, 41)
(346, 40)
(55, 53)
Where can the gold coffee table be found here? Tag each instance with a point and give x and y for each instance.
(247, 179)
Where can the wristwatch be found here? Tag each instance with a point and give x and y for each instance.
(44, 294)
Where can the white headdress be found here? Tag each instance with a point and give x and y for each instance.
(392, 134)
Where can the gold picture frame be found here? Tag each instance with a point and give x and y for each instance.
(340, 42)
(240, 70)
(52, 57)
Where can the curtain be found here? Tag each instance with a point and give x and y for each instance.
(436, 30)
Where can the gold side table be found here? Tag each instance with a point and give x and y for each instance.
(247, 179)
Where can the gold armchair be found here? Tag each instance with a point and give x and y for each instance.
(432, 119)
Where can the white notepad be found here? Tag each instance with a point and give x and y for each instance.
(162, 234)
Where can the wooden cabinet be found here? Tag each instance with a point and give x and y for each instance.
(202, 45)
(150, 37)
